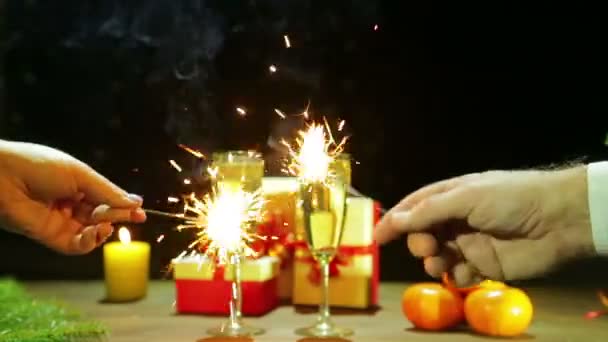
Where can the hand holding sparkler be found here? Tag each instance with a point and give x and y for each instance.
(58, 200)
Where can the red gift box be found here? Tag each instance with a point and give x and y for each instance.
(204, 288)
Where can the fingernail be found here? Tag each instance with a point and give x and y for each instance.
(138, 215)
(136, 198)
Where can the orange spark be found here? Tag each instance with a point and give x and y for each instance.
(272, 68)
(160, 238)
(172, 199)
(196, 153)
(241, 111)
(287, 42)
(187, 181)
(341, 125)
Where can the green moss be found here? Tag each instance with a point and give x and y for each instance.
(24, 319)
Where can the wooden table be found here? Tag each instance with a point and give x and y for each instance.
(558, 317)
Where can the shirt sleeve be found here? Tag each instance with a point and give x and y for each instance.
(597, 188)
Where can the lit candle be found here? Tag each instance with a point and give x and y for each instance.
(126, 268)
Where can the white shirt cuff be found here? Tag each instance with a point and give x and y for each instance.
(597, 188)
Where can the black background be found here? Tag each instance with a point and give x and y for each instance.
(437, 91)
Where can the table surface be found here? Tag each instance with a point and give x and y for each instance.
(559, 316)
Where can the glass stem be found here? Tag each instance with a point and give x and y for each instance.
(324, 307)
(236, 295)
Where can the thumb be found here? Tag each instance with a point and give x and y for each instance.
(99, 190)
(439, 208)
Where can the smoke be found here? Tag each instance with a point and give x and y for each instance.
(209, 52)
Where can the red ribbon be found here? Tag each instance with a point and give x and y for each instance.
(279, 241)
(343, 258)
(219, 272)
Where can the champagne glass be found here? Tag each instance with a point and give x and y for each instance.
(323, 206)
(236, 170)
(235, 327)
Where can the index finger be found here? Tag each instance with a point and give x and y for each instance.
(435, 209)
(386, 230)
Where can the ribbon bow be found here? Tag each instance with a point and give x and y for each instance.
(343, 258)
(278, 239)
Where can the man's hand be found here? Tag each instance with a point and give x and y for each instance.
(499, 225)
(58, 200)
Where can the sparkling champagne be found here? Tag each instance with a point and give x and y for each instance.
(323, 206)
(239, 169)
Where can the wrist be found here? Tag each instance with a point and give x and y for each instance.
(570, 193)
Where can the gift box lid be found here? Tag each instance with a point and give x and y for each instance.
(200, 267)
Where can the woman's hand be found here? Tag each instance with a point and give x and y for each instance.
(58, 200)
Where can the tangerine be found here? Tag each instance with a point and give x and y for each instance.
(431, 306)
(504, 312)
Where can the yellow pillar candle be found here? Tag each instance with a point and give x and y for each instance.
(126, 268)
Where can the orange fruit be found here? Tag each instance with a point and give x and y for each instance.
(431, 306)
(504, 312)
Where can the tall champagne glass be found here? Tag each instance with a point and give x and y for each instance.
(236, 170)
(323, 206)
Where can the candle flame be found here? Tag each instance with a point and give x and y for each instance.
(124, 236)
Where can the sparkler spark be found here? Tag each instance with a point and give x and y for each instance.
(272, 68)
(171, 199)
(175, 165)
(160, 238)
(241, 111)
(341, 125)
(279, 113)
(195, 153)
(287, 42)
(225, 222)
(315, 150)
(187, 181)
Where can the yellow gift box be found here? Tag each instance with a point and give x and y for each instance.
(354, 273)
(280, 206)
(202, 268)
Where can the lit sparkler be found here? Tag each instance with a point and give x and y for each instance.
(314, 152)
(224, 222)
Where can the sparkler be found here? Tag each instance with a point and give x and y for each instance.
(315, 150)
(224, 220)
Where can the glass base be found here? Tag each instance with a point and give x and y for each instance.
(235, 330)
(324, 330)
